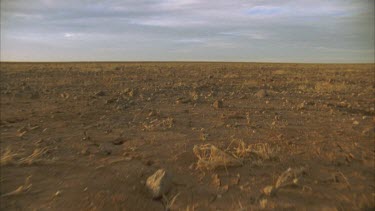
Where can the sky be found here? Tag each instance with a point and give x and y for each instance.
(326, 31)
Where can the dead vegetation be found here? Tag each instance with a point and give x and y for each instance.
(290, 177)
(9, 157)
(21, 189)
(159, 124)
(256, 151)
(210, 157)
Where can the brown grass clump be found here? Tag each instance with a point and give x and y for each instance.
(9, 157)
(21, 189)
(290, 177)
(330, 87)
(258, 151)
(210, 157)
(163, 124)
(34, 157)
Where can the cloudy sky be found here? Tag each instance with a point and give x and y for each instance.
(184, 30)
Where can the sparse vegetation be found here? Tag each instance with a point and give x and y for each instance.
(231, 135)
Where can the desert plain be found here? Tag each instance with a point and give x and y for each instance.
(228, 136)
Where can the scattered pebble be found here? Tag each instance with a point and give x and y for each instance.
(58, 193)
(218, 104)
(85, 151)
(261, 93)
(100, 93)
(269, 190)
(105, 149)
(263, 203)
(215, 180)
(118, 141)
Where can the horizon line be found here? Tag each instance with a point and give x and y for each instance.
(182, 61)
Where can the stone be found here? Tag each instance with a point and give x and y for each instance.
(159, 183)
(118, 141)
(269, 190)
(105, 149)
(85, 151)
(263, 203)
(216, 182)
(261, 93)
(218, 104)
(100, 93)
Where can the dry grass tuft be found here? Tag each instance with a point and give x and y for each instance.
(210, 157)
(163, 124)
(290, 177)
(168, 203)
(10, 158)
(258, 151)
(7, 157)
(21, 189)
(330, 87)
(34, 157)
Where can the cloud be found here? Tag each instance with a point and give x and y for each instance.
(248, 34)
(70, 35)
(191, 40)
(265, 10)
(248, 28)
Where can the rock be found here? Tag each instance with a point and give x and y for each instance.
(215, 180)
(263, 203)
(269, 190)
(261, 93)
(112, 100)
(149, 162)
(194, 95)
(35, 95)
(302, 105)
(183, 101)
(58, 193)
(85, 151)
(368, 131)
(218, 104)
(159, 183)
(118, 141)
(65, 95)
(100, 93)
(105, 149)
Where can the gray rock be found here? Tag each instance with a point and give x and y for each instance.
(159, 183)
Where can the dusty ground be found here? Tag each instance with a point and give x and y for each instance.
(86, 136)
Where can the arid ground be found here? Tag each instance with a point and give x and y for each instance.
(231, 136)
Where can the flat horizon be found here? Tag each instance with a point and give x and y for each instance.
(255, 62)
(286, 31)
